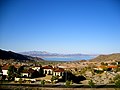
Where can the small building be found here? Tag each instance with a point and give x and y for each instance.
(5, 69)
(37, 68)
(17, 66)
(58, 72)
(48, 70)
(27, 72)
(112, 67)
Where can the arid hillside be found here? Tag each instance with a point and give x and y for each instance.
(110, 57)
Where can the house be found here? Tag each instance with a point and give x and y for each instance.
(58, 72)
(112, 67)
(37, 68)
(27, 72)
(48, 70)
(5, 69)
(102, 67)
(17, 66)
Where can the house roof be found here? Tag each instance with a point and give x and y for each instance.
(112, 66)
(58, 70)
(5, 67)
(17, 66)
(30, 70)
(47, 67)
(102, 66)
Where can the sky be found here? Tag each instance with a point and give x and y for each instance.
(60, 26)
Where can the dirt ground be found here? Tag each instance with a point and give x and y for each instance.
(44, 88)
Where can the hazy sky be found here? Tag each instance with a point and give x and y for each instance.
(62, 26)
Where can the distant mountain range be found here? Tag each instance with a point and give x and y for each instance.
(7, 55)
(47, 54)
(34, 56)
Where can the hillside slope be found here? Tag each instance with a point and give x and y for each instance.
(110, 57)
(7, 55)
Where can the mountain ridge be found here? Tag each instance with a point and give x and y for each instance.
(7, 55)
(44, 53)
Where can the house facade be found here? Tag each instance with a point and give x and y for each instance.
(48, 70)
(5, 69)
(37, 68)
(27, 72)
(58, 72)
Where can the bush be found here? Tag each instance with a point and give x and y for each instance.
(91, 83)
(54, 78)
(117, 77)
(20, 81)
(67, 83)
(117, 83)
(43, 82)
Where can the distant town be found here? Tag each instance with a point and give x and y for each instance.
(102, 70)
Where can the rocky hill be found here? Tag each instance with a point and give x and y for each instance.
(7, 55)
(110, 57)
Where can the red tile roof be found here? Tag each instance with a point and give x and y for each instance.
(17, 66)
(112, 66)
(5, 67)
(47, 67)
(58, 70)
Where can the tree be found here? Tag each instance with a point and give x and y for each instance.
(0, 71)
(19, 71)
(35, 74)
(11, 72)
(41, 71)
(91, 83)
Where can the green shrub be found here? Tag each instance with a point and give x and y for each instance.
(20, 81)
(91, 83)
(43, 82)
(54, 78)
(117, 77)
(117, 83)
(67, 83)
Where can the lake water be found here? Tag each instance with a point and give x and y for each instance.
(68, 58)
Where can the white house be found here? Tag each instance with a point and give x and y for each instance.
(5, 69)
(48, 70)
(58, 71)
(27, 73)
(37, 68)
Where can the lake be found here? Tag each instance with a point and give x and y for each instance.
(70, 58)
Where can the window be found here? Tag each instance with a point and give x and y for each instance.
(45, 72)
